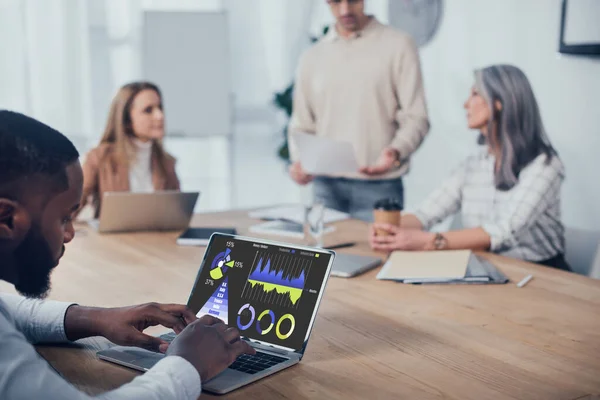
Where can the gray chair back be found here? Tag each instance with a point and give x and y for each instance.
(582, 251)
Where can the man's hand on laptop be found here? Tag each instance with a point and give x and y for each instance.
(125, 325)
(209, 345)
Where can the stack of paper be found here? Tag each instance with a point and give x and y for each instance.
(284, 228)
(295, 213)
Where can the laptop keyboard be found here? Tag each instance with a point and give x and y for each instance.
(256, 363)
(244, 363)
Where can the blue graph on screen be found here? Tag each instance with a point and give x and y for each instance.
(266, 275)
(277, 279)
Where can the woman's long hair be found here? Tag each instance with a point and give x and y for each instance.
(515, 132)
(119, 132)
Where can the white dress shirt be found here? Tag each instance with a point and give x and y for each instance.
(523, 222)
(24, 375)
(140, 170)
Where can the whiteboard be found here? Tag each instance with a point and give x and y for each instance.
(186, 53)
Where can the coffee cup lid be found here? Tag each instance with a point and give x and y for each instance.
(388, 204)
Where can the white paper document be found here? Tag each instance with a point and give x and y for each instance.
(295, 213)
(284, 228)
(324, 156)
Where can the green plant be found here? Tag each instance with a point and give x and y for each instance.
(284, 101)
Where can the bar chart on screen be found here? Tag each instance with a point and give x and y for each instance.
(277, 279)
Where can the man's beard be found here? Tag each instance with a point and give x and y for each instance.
(35, 262)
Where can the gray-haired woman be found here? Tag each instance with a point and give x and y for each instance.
(508, 193)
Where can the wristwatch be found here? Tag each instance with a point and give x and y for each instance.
(440, 242)
(397, 163)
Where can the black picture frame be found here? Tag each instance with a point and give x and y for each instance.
(578, 49)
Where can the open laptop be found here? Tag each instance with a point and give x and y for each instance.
(156, 211)
(350, 265)
(270, 291)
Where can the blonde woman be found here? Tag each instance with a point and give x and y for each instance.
(508, 192)
(130, 156)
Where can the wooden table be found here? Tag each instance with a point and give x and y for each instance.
(372, 339)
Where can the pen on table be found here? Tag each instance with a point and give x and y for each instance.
(524, 281)
(341, 245)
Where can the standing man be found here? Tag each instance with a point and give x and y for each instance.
(361, 83)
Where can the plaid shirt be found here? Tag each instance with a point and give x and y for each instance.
(523, 222)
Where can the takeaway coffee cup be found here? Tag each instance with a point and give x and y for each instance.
(387, 211)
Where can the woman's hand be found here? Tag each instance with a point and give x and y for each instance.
(398, 238)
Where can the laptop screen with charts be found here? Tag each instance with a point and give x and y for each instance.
(269, 291)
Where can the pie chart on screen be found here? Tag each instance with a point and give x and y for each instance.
(220, 264)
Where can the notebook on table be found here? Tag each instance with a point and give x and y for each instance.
(448, 267)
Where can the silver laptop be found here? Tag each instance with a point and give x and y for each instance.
(270, 291)
(157, 211)
(349, 265)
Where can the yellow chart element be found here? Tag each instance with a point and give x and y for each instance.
(269, 287)
(217, 273)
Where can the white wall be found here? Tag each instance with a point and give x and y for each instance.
(476, 33)
(115, 40)
(267, 38)
(44, 62)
